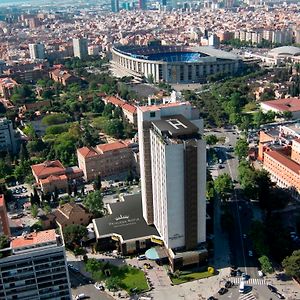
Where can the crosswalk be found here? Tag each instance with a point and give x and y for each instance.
(248, 296)
(251, 281)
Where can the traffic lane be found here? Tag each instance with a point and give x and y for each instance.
(91, 292)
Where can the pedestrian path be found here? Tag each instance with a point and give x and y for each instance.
(253, 281)
(248, 296)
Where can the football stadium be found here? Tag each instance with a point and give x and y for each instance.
(174, 64)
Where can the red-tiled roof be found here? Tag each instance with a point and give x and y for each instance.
(34, 238)
(297, 140)
(87, 152)
(47, 168)
(157, 107)
(111, 146)
(130, 108)
(114, 100)
(2, 203)
(53, 178)
(288, 104)
(7, 82)
(284, 160)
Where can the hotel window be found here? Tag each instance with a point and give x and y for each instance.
(152, 114)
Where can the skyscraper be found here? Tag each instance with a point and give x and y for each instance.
(143, 4)
(37, 51)
(34, 267)
(80, 48)
(173, 173)
(115, 7)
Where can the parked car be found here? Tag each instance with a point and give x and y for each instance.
(142, 257)
(228, 284)
(233, 273)
(212, 298)
(272, 288)
(260, 273)
(222, 291)
(280, 296)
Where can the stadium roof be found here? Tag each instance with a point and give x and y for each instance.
(285, 50)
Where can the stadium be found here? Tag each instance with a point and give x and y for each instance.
(174, 64)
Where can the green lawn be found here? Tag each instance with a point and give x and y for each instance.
(190, 276)
(135, 278)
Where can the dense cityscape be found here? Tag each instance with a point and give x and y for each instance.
(150, 149)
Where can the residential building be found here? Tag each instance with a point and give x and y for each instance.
(280, 106)
(52, 175)
(173, 176)
(7, 86)
(35, 267)
(37, 51)
(80, 48)
(115, 6)
(9, 138)
(4, 224)
(72, 213)
(63, 77)
(105, 160)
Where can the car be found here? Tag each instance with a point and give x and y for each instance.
(233, 273)
(228, 284)
(212, 298)
(80, 296)
(99, 286)
(260, 273)
(245, 276)
(280, 296)
(244, 235)
(272, 288)
(238, 273)
(222, 291)
(141, 257)
(250, 253)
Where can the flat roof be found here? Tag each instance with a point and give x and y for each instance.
(34, 238)
(176, 125)
(126, 220)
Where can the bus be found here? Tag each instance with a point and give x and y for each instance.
(242, 286)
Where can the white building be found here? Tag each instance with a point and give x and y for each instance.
(9, 138)
(37, 51)
(80, 48)
(173, 173)
(34, 267)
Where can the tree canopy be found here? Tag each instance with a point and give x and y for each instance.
(241, 149)
(94, 203)
(291, 264)
(223, 186)
(74, 234)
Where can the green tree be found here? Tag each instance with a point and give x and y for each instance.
(241, 149)
(97, 183)
(291, 264)
(94, 203)
(211, 139)
(4, 241)
(74, 234)
(113, 283)
(29, 131)
(266, 265)
(223, 186)
(34, 210)
(115, 128)
(259, 238)
(54, 119)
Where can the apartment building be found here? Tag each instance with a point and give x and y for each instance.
(9, 138)
(34, 267)
(80, 47)
(4, 224)
(105, 160)
(6, 87)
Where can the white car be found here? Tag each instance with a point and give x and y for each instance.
(260, 273)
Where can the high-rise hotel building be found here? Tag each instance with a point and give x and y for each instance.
(173, 173)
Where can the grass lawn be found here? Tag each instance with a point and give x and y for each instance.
(135, 278)
(189, 276)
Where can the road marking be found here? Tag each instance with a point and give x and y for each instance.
(253, 281)
(248, 296)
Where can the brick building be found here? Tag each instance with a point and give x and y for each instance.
(50, 175)
(105, 160)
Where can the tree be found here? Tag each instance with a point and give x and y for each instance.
(113, 283)
(97, 183)
(74, 234)
(94, 203)
(266, 265)
(24, 155)
(291, 264)
(4, 241)
(211, 139)
(34, 210)
(241, 149)
(223, 186)
(54, 119)
(259, 237)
